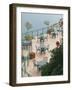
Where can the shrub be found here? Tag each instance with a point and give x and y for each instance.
(28, 37)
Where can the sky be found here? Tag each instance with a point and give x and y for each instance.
(37, 20)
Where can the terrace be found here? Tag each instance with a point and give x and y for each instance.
(36, 47)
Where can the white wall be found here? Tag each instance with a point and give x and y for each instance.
(4, 45)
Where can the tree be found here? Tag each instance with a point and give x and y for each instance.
(28, 25)
(46, 23)
(55, 66)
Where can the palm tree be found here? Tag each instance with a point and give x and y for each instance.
(47, 24)
(28, 26)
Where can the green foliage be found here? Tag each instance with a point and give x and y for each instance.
(55, 66)
(58, 70)
(46, 69)
(57, 56)
(28, 37)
